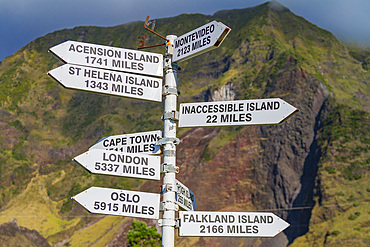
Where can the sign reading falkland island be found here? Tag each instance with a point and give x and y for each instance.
(108, 57)
(108, 82)
(119, 202)
(238, 112)
(120, 164)
(200, 40)
(142, 142)
(230, 224)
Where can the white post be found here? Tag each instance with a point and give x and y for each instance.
(169, 142)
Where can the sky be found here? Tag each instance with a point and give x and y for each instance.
(22, 21)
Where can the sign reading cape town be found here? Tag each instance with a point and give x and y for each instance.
(143, 142)
(108, 82)
(108, 57)
(120, 164)
(200, 40)
(230, 224)
(238, 112)
(119, 202)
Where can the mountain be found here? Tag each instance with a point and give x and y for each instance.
(312, 170)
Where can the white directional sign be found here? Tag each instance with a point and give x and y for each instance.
(184, 197)
(120, 164)
(200, 40)
(108, 82)
(143, 143)
(119, 202)
(238, 112)
(108, 57)
(230, 224)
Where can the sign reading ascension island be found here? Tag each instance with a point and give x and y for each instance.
(200, 40)
(120, 164)
(230, 224)
(108, 57)
(119, 202)
(142, 142)
(238, 112)
(108, 82)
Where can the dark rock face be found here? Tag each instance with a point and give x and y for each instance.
(11, 233)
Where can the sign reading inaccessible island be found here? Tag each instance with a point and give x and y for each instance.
(238, 112)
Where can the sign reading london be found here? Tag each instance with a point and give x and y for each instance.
(120, 164)
(108, 82)
(200, 40)
(108, 57)
(230, 224)
(119, 202)
(142, 142)
(238, 112)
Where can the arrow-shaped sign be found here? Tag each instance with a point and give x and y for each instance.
(238, 112)
(108, 82)
(119, 202)
(120, 164)
(200, 40)
(185, 198)
(143, 143)
(108, 57)
(230, 224)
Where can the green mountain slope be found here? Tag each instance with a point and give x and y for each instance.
(312, 170)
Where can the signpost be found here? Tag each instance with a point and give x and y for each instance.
(238, 112)
(119, 202)
(143, 142)
(185, 198)
(108, 57)
(200, 40)
(230, 224)
(108, 82)
(129, 73)
(120, 164)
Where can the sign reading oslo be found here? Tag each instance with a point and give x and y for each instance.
(230, 224)
(143, 142)
(119, 202)
(108, 57)
(120, 164)
(185, 198)
(108, 82)
(238, 112)
(200, 40)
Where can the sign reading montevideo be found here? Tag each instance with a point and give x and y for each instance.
(200, 40)
(120, 164)
(108, 57)
(108, 82)
(230, 224)
(238, 112)
(119, 202)
(143, 142)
